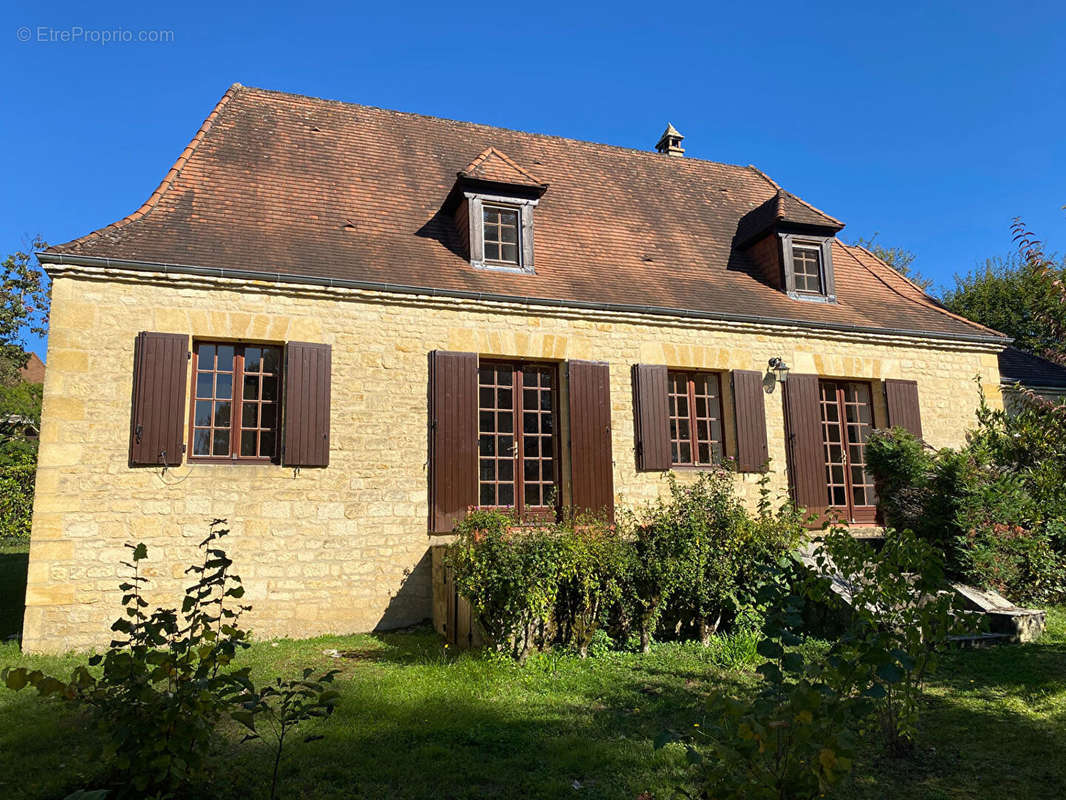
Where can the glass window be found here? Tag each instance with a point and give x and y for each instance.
(695, 400)
(807, 268)
(501, 235)
(235, 425)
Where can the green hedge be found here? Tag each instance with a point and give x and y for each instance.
(683, 565)
(16, 503)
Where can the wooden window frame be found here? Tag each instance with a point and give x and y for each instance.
(476, 203)
(539, 513)
(717, 454)
(861, 514)
(500, 262)
(237, 403)
(789, 242)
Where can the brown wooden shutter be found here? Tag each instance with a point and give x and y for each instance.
(651, 419)
(157, 425)
(591, 459)
(453, 438)
(307, 401)
(901, 397)
(749, 413)
(805, 450)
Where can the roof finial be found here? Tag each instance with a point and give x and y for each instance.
(670, 142)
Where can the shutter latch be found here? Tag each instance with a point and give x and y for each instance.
(137, 433)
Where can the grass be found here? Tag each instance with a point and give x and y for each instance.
(417, 721)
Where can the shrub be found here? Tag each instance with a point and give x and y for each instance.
(16, 503)
(994, 512)
(901, 619)
(594, 562)
(167, 680)
(509, 574)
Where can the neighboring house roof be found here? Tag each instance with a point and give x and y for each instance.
(279, 183)
(1033, 372)
(33, 372)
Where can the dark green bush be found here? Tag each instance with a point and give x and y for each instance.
(993, 508)
(16, 503)
(696, 552)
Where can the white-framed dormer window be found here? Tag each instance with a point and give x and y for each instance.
(500, 232)
(808, 268)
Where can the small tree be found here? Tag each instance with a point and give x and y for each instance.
(24, 306)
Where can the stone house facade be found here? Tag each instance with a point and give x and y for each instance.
(339, 327)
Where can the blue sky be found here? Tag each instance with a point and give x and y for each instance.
(933, 125)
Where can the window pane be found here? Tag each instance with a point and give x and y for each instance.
(509, 253)
(531, 470)
(222, 418)
(249, 415)
(203, 384)
(505, 419)
(248, 443)
(492, 251)
(485, 397)
(506, 495)
(686, 453)
(271, 359)
(509, 234)
(506, 470)
(530, 447)
(488, 469)
(221, 443)
(206, 356)
(532, 494)
(487, 445)
(201, 443)
(488, 494)
(529, 422)
(225, 358)
(266, 444)
(202, 418)
(253, 359)
(547, 470)
(251, 387)
(224, 386)
(270, 389)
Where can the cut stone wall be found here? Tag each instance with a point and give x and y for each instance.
(345, 548)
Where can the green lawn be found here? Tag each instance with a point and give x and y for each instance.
(418, 722)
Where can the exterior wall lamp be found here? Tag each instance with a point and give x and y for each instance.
(778, 365)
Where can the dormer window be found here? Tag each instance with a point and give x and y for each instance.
(493, 200)
(500, 231)
(789, 244)
(808, 267)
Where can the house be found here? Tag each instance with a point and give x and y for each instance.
(339, 327)
(1027, 371)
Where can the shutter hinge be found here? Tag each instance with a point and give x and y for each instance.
(188, 355)
(137, 433)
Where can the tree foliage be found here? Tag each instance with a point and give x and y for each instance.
(24, 307)
(1022, 296)
(899, 258)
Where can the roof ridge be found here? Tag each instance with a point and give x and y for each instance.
(633, 150)
(168, 179)
(933, 305)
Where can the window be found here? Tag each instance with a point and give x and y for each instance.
(847, 420)
(498, 230)
(501, 235)
(235, 402)
(695, 407)
(807, 268)
(517, 444)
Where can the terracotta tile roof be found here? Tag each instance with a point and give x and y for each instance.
(494, 166)
(33, 372)
(275, 182)
(1017, 366)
